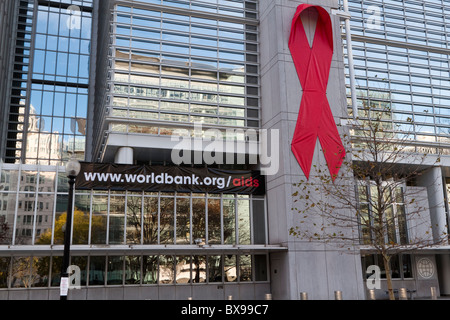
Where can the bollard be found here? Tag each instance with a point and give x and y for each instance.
(372, 294)
(402, 294)
(338, 295)
(268, 296)
(433, 293)
(303, 296)
(230, 298)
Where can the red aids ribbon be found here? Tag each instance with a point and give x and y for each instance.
(315, 119)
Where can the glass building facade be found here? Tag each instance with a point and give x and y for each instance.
(48, 110)
(401, 55)
(170, 69)
(33, 212)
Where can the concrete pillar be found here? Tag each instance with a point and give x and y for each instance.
(306, 267)
(124, 155)
(432, 180)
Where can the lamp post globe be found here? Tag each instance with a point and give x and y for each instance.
(73, 168)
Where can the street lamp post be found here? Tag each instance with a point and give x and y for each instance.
(72, 170)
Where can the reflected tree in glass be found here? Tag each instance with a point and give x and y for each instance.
(183, 221)
(116, 219)
(244, 221)
(97, 271)
(183, 269)
(215, 268)
(198, 218)
(245, 268)
(21, 276)
(150, 269)
(133, 269)
(5, 263)
(166, 269)
(150, 230)
(198, 269)
(134, 213)
(229, 221)
(115, 270)
(214, 223)
(230, 268)
(166, 220)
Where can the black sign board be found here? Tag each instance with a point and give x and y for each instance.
(101, 176)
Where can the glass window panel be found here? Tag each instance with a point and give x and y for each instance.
(144, 104)
(204, 30)
(204, 86)
(21, 272)
(183, 50)
(402, 224)
(4, 271)
(99, 219)
(174, 106)
(230, 268)
(44, 218)
(204, 52)
(115, 270)
(134, 214)
(260, 267)
(167, 208)
(56, 271)
(231, 55)
(146, 22)
(40, 269)
(183, 269)
(231, 45)
(395, 267)
(42, 21)
(7, 212)
(236, 35)
(214, 221)
(60, 218)
(166, 25)
(175, 83)
(150, 229)
(174, 71)
(244, 221)
(211, 42)
(199, 269)
(232, 89)
(133, 269)
(81, 219)
(146, 45)
(406, 266)
(82, 263)
(150, 269)
(116, 219)
(199, 219)
(183, 221)
(197, 108)
(229, 221)
(97, 266)
(168, 36)
(166, 269)
(245, 268)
